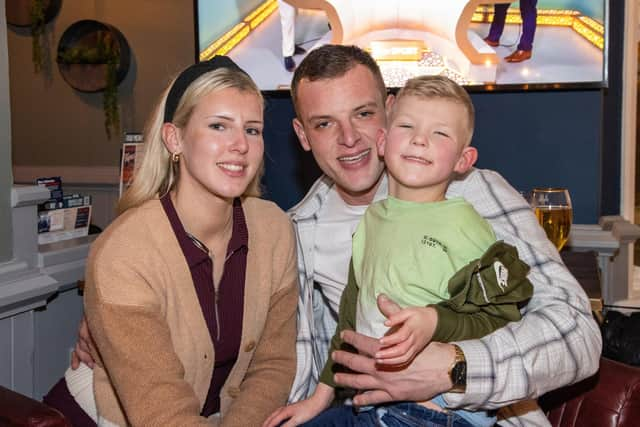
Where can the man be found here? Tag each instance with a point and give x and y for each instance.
(339, 98)
(529, 14)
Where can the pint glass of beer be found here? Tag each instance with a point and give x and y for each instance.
(553, 210)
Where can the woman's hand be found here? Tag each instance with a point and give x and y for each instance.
(302, 411)
(82, 350)
(411, 329)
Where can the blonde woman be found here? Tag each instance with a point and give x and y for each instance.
(191, 293)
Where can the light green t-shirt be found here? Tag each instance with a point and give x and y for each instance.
(410, 250)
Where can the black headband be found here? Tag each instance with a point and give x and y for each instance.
(188, 76)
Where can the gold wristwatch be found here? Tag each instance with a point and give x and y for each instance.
(458, 372)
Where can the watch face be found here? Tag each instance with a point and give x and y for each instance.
(459, 374)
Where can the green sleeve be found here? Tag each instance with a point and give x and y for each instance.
(485, 295)
(456, 326)
(346, 321)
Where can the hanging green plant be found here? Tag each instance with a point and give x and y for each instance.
(33, 14)
(104, 52)
(110, 96)
(37, 30)
(93, 57)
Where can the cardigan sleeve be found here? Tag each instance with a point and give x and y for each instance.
(133, 340)
(270, 374)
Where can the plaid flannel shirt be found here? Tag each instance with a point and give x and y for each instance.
(556, 343)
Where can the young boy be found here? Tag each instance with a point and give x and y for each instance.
(423, 251)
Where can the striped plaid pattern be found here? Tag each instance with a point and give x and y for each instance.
(556, 343)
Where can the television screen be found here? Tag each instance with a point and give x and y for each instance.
(483, 44)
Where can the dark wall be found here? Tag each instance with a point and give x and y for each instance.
(289, 170)
(545, 139)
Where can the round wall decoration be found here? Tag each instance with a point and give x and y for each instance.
(93, 56)
(21, 12)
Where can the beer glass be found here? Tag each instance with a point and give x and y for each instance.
(553, 210)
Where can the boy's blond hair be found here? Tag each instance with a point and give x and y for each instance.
(441, 87)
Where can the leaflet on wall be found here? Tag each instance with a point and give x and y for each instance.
(132, 153)
(62, 224)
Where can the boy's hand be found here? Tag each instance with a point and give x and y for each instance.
(410, 330)
(302, 411)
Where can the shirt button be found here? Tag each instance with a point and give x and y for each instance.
(250, 346)
(233, 392)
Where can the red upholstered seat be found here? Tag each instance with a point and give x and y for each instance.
(18, 410)
(609, 398)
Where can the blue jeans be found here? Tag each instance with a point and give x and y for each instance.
(402, 414)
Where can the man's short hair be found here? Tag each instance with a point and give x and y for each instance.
(331, 61)
(442, 87)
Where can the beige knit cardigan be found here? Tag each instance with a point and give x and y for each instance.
(154, 354)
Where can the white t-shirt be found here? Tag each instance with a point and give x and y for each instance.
(337, 221)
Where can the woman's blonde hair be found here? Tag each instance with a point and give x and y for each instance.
(157, 174)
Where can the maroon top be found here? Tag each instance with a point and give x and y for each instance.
(222, 312)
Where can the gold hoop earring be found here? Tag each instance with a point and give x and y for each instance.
(175, 157)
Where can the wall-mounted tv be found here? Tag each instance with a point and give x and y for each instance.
(545, 43)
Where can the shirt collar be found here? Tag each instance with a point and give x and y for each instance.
(240, 234)
(316, 196)
(195, 254)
